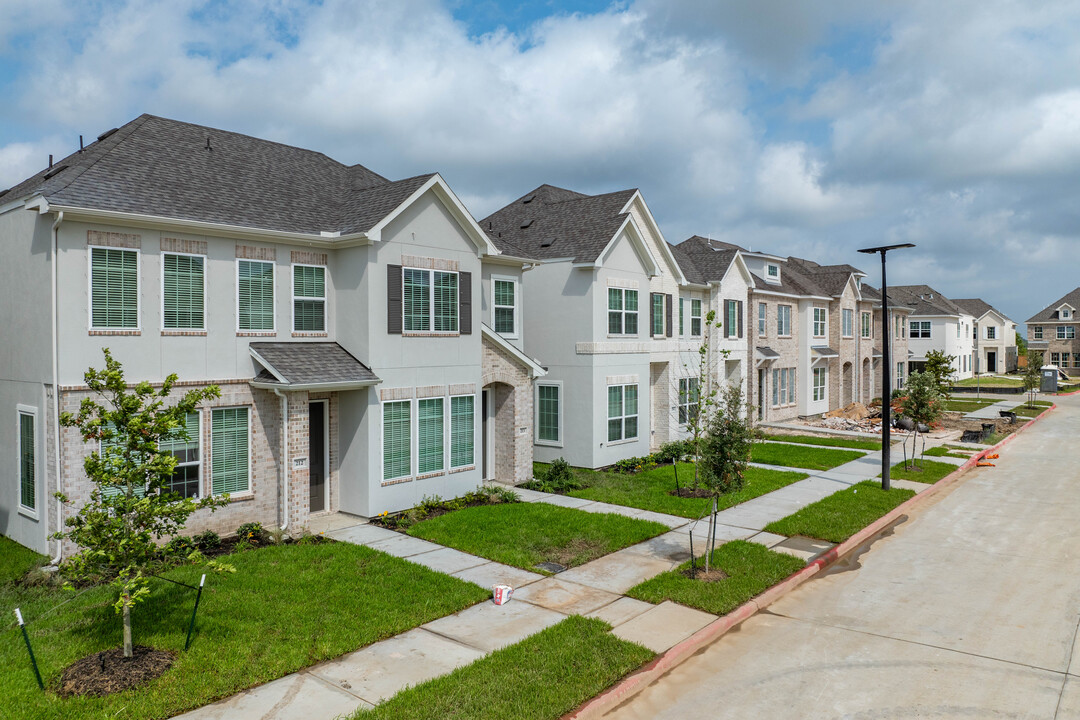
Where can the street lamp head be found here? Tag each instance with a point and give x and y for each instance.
(886, 248)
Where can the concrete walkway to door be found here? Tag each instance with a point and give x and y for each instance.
(969, 610)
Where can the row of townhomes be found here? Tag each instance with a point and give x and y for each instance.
(375, 344)
(1055, 331)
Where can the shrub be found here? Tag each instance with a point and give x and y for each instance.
(635, 464)
(207, 541)
(179, 547)
(675, 450)
(559, 478)
(251, 532)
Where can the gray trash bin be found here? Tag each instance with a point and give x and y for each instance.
(1049, 379)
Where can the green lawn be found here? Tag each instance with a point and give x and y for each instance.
(1026, 412)
(827, 441)
(650, 490)
(284, 608)
(991, 381)
(811, 458)
(842, 514)
(524, 534)
(542, 677)
(751, 568)
(966, 406)
(16, 560)
(942, 451)
(928, 471)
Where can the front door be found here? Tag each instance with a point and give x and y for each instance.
(991, 361)
(317, 455)
(761, 394)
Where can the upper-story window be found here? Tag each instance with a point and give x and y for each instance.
(657, 314)
(959, 328)
(1066, 313)
(682, 312)
(975, 331)
(430, 300)
(762, 309)
(733, 318)
(991, 332)
(1066, 332)
(867, 325)
(309, 298)
(695, 318)
(254, 295)
(900, 323)
(783, 320)
(504, 306)
(772, 273)
(819, 322)
(847, 322)
(183, 285)
(114, 288)
(920, 329)
(1037, 332)
(622, 311)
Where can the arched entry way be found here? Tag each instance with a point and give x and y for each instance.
(498, 432)
(847, 385)
(867, 382)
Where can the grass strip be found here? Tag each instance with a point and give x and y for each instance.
(17, 560)
(750, 568)
(839, 516)
(542, 677)
(810, 458)
(994, 381)
(927, 471)
(651, 489)
(524, 534)
(966, 406)
(942, 451)
(284, 608)
(827, 441)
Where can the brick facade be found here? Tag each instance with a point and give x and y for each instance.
(787, 347)
(512, 413)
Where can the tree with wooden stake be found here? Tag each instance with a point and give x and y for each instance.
(725, 453)
(1033, 374)
(921, 403)
(131, 506)
(697, 393)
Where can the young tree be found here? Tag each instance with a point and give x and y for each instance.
(1033, 374)
(922, 403)
(725, 452)
(700, 397)
(1021, 345)
(939, 366)
(130, 506)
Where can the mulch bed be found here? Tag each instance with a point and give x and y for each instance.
(401, 522)
(691, 492)
(108, 672)
(714, 574)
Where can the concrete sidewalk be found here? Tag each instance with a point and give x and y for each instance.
(993, 412)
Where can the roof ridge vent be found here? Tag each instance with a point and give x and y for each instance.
(54, 171)
(529, 199)
(106, 134)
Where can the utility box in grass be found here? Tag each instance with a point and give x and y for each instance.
(1049, 379)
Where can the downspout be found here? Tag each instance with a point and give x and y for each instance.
(56, 388)
(285, 473)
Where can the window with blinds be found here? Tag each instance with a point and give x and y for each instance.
(309, 298)
(397, 439)
(622, 412)
(184, 446)
(114, 288)
(445, 310)
(695, 318)
(27, 462)
(429, 301)
(229, 456)
(255, 295)
(504, 307)
(430, 453)
(461, 430)
(416, 299)
(657, 314)
(547, 403)
(182, 292)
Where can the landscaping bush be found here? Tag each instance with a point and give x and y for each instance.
(434, 506)
(675, 450)
(207, 541)
(252, 533)
(558, 478)
(179, 547)
(635, 464)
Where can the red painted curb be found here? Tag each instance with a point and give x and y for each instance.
(654, 670)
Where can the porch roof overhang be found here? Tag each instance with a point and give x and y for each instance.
(534, 368)
(765, 353)
(821, 352)
(308, 366)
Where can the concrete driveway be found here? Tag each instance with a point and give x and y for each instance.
(969, 610)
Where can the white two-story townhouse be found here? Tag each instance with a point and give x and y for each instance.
(604, 313)
(336, 310)
(936, 323)
(993, 336)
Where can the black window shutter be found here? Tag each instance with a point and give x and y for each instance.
(465, 303)
(668, 303)
(393, 299)
(739, 312)
(652, 313)
(725, 325)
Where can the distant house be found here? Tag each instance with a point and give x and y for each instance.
(993, 335)
(1055, 330)
(936, 323)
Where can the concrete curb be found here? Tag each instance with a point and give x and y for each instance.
(658, 667)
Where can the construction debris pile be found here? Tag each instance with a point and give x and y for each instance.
(856, 417)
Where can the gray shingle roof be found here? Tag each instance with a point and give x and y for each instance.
(923, 300)
(309, 363)
(978, 307)
(161, 167)
(832, 279)
(704, 261)
(1050, 312)
(551, 222)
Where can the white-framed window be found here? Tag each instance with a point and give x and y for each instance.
(959, 329)
(549, 413)
(919, 329)
(991, 332)
(114, 288)
(1055, 359)
(658, 315)
(1037, 332)
(462, 430)
(1066, 313)
(622, 311)
(397, 439)
(820, 315)
(901, 326)
(695, 318)
(762, 311)
(183, 291)
(689, 399)
(783, 387)
(820, 376)
(682, 313)
(1066, 332)
(867, 325)
(504, 297)
(26, 454)
(186, 480)
(783, 320)
(772, 272)
(430, 435)
(255, 285)
(230, 462)
(847, 322)
(622, 412)
(309, 298)
(429, 301)
(900, 374)
(731, 318)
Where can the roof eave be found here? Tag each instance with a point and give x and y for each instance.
(290, 387)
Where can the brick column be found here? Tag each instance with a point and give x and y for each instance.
(297, 510)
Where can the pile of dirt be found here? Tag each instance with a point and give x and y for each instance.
(955, 421)
(854, 411)
(691, 492)
(714, 574)
(108, 672)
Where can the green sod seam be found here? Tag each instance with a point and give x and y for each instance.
(810, 458)
(827, 441)
(839, 516)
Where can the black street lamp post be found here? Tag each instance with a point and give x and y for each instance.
(886, 371)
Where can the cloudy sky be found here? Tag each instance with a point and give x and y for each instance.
(799, 128)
